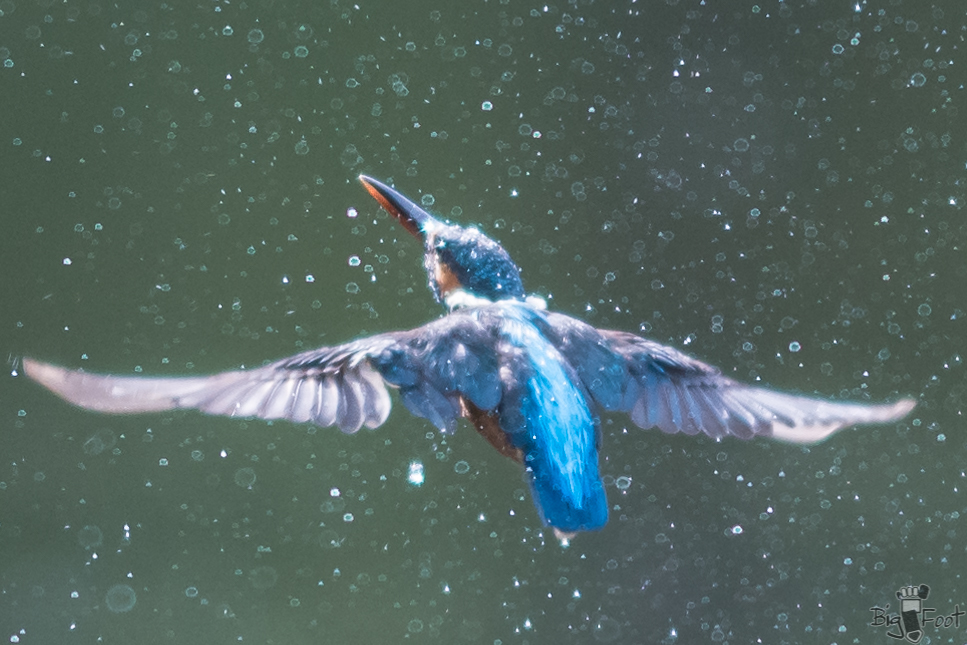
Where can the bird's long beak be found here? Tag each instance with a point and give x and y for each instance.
(413, 218)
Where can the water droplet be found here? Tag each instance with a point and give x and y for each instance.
(332, 505)
(98, 442)
(90, 536)
(245, 477)
(606, 629)
(263, 577)
(120, 598)
(329, 539)
(415, 474)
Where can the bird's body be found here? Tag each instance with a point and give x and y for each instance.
(532, 382)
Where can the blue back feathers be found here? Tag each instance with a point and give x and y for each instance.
(503, 357)
(546, 414)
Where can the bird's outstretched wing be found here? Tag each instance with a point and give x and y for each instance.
(346, 392)
(663, 388)
(346, 385)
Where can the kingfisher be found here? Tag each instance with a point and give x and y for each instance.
(533, 382)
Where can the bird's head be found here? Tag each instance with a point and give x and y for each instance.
(456, 257)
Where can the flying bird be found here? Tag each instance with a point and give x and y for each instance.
(531, 381)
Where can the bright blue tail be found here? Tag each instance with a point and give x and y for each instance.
(546, 414)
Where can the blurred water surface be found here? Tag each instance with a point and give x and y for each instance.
(777, 188)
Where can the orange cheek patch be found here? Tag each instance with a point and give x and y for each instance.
(445, 278)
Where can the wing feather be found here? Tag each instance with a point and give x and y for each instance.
(327, 402)
(303, 400)
(663, 388)
(345, 385)
(351, 416)
(255, 399)
(659, 411)
(279, 404)
(376, 398)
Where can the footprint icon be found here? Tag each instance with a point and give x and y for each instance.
(911, 602)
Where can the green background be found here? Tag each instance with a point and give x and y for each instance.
(738, 180)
